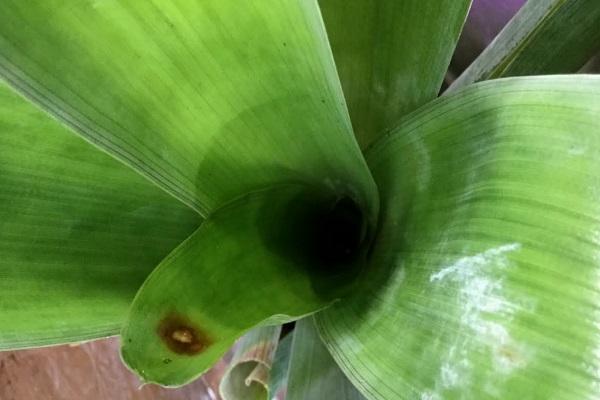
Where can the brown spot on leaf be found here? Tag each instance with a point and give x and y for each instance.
(510, 354)
(181, 336)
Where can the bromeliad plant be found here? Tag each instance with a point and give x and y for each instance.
(247, 164)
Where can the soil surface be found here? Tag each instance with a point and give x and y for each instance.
(91, 371)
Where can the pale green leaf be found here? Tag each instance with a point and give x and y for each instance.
(208, 99)
(391, 55)
(79, 231)
(484, 278)
(544, 37)
(278, 378)
(313, 374)
(250, 263)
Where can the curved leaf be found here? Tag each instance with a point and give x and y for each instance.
(484, 277)
(391, 56)
(544, 37)
(79, 232)
(249, 263)
(208, 99)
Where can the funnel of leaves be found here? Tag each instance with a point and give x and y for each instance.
(184, 171)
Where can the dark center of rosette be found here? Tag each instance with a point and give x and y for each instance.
(328, 237)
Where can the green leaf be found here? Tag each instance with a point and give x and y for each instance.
(208, 99)
(250, 263)
(544, 37)
(484, 277)
(247, 377)
(391, 56)
(79, 232)
(313, 375)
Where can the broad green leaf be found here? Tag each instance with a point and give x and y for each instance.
(253, 262)
(208, 99)
(248, 375)
(313, 375)
(79, 231)
(391, 55)
(544, 37)
(483, 282)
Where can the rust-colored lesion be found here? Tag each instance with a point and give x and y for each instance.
(182, 336)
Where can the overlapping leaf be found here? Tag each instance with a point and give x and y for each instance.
(544, 37)
(482, 282)
(278, 378)
(79, 232)
(313, 374)
(247, 265)
(484, 277)
(208, 99)
(391, 55)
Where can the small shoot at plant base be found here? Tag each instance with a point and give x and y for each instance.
(248, 374)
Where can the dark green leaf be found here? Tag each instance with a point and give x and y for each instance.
(391, 55)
